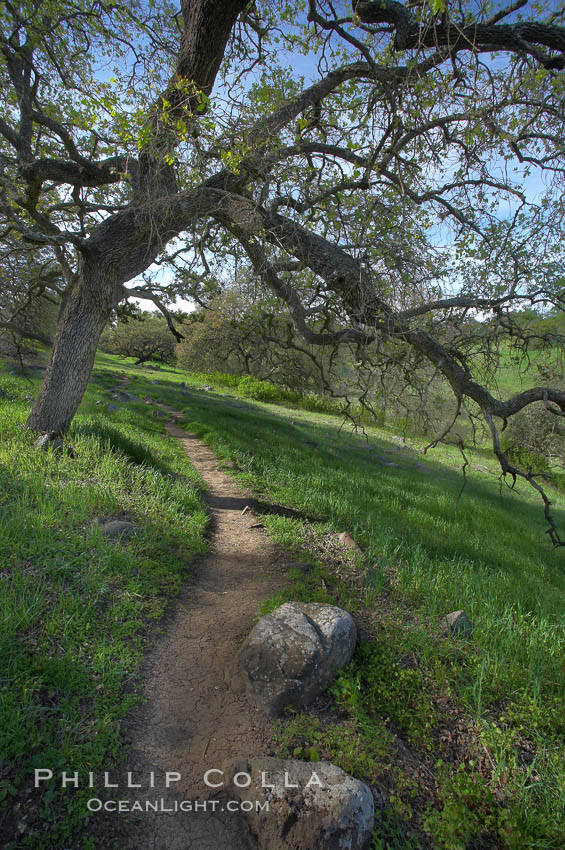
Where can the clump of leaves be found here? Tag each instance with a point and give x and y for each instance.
(310, 738)
(377, 685)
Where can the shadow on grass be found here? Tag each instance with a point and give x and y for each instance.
(260, 508)
(119, 442)
(411, 501)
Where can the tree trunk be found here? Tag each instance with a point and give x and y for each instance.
(129, 241)
(84, 311)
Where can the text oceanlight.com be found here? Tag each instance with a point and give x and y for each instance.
(174, 806)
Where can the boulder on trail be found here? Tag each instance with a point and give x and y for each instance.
(312, 805)
(116, 528)
(291, 654)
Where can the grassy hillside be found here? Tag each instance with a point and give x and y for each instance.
(461, 737)
(76, 608)
(484, 717)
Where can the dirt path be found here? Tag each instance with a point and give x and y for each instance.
(193, 720)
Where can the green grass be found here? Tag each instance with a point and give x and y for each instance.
(75, 608)
(490, 556)
(425, 555)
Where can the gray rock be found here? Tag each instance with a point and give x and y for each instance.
(100, 401)
(457, 623)
(385, 462)
(122, 395)
(291, 654)
(207, 388)
(116, 528)
(328, 810)
(49, 442)
(347, 542)
(303, 566)
(371, 577)
(111, 408)
(3, 394)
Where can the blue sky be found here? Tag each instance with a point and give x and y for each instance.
(305, 66)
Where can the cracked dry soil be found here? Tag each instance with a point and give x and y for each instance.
(192, 719)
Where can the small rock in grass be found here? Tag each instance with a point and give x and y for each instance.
(371, 577)
(385, 462)
(110, 408)
(303, 566)
(457, 623)
(347, 542)
(2, 394)
(116, 528)
(121, 395)
(49, 442)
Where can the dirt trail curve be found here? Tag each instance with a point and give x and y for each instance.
(193, 720)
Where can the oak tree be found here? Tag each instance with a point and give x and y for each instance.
(391, 172)
(145, 337)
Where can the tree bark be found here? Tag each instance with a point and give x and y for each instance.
(125, 244)
(83, 314)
